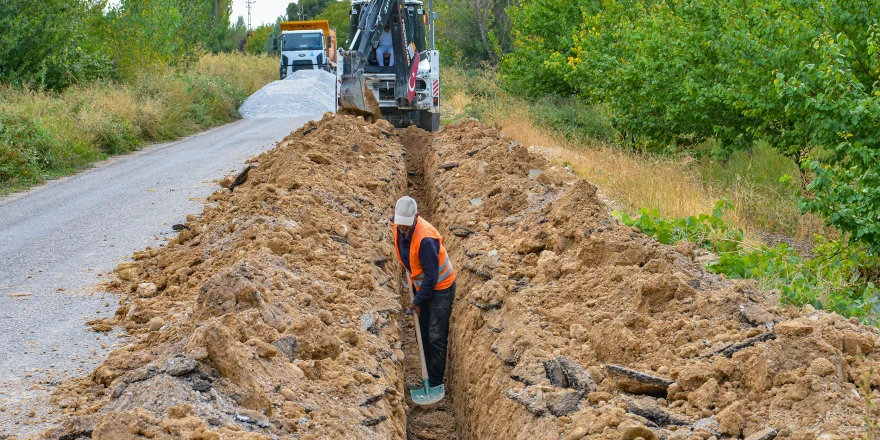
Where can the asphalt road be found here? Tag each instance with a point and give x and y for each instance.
(58, 241)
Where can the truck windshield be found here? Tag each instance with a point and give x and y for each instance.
(310, 41)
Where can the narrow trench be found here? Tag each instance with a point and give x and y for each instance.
(433, 422)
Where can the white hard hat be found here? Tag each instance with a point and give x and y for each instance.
(405, 211)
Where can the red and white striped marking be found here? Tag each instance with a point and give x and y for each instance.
(436, 87)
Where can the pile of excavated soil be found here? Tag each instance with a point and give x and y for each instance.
(273, 314)
(570, 325)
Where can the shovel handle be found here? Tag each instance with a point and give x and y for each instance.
(418, 332)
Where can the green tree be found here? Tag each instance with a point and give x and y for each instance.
(833, 110)
(237, 36)
(260, 39)
(475, 31)
(49, 43)
(306, 9)
(337, 14)
(800, 75)
(151, 34)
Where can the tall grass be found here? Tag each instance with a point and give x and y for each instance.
(762, 185)
(45, 134)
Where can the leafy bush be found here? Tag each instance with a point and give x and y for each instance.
(837, 277)
(259, 41)
(49, 43)
(573, 117)
(708, 231)
(800, 76)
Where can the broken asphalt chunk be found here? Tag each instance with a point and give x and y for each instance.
(764, 434)
(373, 421)
(373, 399)
(368, 321)
(649, 409)
(179, 366)
(577, 376)
(528, 398)
(733, 348)
(637, 382)
(555, 374)
(287, 346)
(565, 403)
(242, 177)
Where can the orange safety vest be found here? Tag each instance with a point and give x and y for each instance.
(445, 273)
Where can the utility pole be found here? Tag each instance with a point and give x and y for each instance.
(249, 3)
(433, 17)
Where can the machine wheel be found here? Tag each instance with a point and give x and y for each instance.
(429, 121)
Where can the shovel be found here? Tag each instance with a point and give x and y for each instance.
(428, 394)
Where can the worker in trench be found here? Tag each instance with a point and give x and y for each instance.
(420, 250)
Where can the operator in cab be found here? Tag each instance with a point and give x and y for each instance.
(386, 46)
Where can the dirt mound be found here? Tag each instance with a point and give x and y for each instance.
(272, 314)
(275, 313)
(571, 325)
(372, 112)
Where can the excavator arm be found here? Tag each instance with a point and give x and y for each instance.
(352, 92)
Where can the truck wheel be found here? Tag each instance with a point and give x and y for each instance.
(429, 121)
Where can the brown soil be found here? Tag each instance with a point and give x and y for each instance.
(372, 113)
(433, 422)
(548, 279)
(277, 314)
(274, 314)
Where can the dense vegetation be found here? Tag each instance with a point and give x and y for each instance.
(775, 103)
(835, 277)
(798, 75)
(55, 43)
(81, 80)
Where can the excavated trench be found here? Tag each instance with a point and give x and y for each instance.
(433, 422)
(275, 313)
(568, 324)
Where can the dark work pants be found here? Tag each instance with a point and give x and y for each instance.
(434, 323)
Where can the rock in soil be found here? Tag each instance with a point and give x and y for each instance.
(227, 332)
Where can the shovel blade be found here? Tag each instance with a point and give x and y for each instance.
(428, 394)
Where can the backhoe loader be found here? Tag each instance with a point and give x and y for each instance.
(408, 92)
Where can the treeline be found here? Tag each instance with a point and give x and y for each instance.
(55, 43)
(800, 75)
(336, 12)
(469, 32)
(81, 80)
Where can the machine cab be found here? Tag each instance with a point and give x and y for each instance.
(416, 19)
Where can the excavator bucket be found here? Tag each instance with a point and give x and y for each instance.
(352, 93)
(356, 98)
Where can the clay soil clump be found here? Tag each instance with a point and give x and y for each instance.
(273, 314)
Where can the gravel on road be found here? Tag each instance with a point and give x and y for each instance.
(303, 93)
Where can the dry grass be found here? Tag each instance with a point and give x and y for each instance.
(673, 186)
(44, 134)
(250, 72)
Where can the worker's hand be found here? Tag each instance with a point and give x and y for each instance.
(415, 308)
